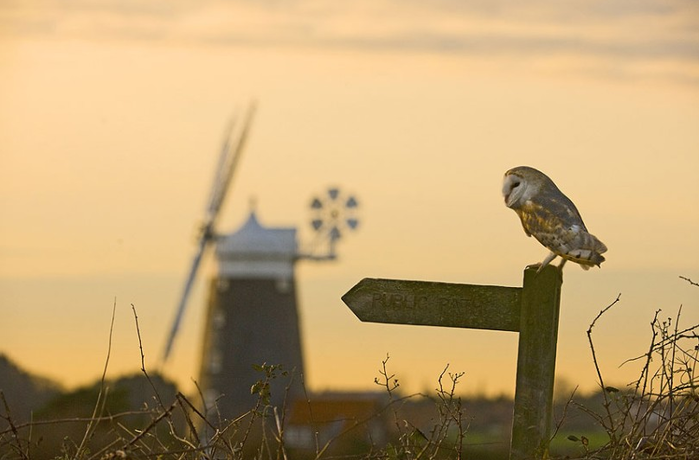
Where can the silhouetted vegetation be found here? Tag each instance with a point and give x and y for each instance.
(142, 416)
(27, 392)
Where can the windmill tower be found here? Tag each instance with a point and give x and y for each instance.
(252, 316)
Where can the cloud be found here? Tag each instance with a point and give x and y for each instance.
(630, 31)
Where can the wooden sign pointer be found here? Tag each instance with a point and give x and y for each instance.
(435, 304)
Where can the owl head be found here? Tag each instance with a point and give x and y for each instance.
(522, 183)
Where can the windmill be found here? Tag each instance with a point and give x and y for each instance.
(333, 214)
(252, 316)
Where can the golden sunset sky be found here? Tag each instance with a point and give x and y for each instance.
(111, 117)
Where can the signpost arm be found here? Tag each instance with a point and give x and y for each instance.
(536, 363)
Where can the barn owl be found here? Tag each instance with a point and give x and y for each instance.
(548, 215)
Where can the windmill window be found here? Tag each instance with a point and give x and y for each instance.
(223, 284)
(215, 362)
(283, 285)
(219, 319)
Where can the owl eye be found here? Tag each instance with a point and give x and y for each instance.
(515, 185)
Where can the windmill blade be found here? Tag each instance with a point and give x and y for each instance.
(227, 162)
(221, 165)
(183, 299)
(228, 168)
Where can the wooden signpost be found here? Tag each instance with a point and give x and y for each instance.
(531, 310)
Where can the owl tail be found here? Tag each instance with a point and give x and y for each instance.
(590, 252)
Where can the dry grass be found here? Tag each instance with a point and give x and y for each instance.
(654, 417)
(657, 415)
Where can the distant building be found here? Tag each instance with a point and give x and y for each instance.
(346, 422)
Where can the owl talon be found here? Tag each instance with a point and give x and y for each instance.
(536, 265)
(546, 261)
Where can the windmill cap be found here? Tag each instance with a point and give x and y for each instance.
(253, 242)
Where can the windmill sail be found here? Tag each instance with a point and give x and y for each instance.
(227, 163)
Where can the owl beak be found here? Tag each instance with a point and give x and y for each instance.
(507, 199)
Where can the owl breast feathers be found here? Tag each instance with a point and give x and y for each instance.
(548, 215)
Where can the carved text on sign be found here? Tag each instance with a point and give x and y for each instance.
(436, 304)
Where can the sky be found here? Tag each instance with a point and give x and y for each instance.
(112, 116)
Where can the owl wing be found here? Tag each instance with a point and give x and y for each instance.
(556, 223)
(549, 213)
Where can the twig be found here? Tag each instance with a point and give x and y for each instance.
(597, 368)
(666, 341)
(589, 338)
(390, 382)
(13, 428)
(671, 376)
(559, 424)
(60, 421)
(143, 359)
(192, 428)
(154, 422)
(216, 432)
(100, 401)
(314, 424)
(689, 281)
(281, 421)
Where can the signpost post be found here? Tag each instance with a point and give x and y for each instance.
(531, 310)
